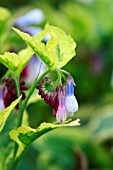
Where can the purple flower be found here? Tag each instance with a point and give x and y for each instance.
(61, 114)
(34, 16)
(32, 30)
(10, 93)
(70, 100)
(46, 89)
(60, 98)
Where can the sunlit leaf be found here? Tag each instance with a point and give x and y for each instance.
(26, 135)
(40, 49)
(59, 49)
(16, 62)
(4, 114)
(65, 45)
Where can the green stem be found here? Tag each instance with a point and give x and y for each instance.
(58, 81)
(20, 105)
(21, 109)
(18, 90)
(29, 95)
(65, 72)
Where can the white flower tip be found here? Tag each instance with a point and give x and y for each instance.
(71, 104)
(61, 114)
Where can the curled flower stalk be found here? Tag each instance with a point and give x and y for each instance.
(61, 98)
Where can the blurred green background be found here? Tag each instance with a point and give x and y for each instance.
(89, 146)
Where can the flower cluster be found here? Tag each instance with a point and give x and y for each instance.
(61, 98)
(10, 93)
(47, 91)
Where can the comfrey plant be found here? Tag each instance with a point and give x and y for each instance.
(61, 98)
(56, 53)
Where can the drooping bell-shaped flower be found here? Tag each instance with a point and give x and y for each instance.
(70, 100)
(60, 98)
(61, 114)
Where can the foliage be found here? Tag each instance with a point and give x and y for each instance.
(16, 63)
(57, 52)
(89, 23)
(24, 135)
(6, 112)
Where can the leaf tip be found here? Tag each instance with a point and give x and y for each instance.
(75, 123)
(14, 28)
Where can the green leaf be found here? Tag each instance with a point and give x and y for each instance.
(40, 48)
(65, 45)
(6, 141)
(59, 49)
(26, 135)
(16, 62)
(4, 114)
(5, 14)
